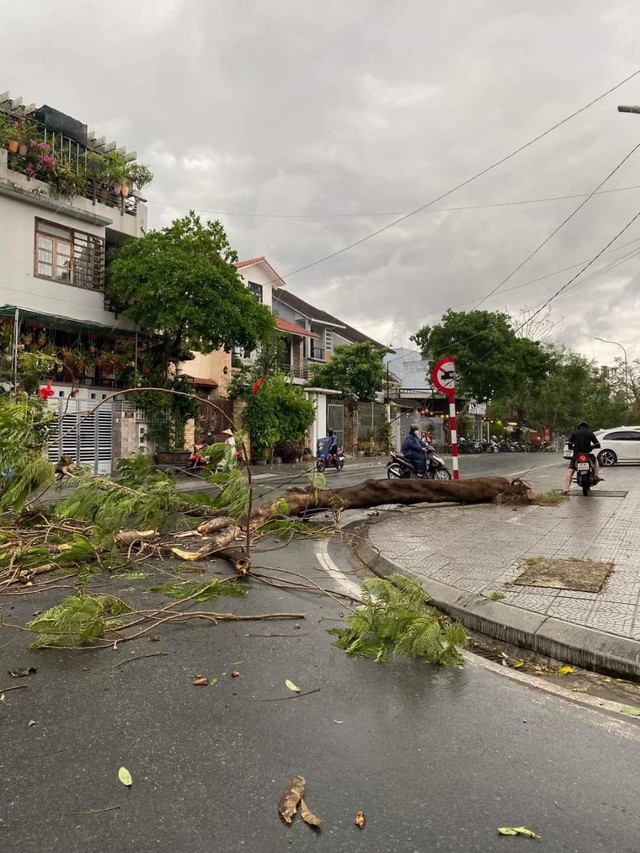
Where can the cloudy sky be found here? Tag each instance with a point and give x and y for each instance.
(305, 127)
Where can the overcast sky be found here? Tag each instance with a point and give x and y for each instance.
(311, 125)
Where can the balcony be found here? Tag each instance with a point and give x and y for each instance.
(87, 182)
(295, 371)
(317, 354)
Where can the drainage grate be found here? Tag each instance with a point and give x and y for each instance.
(602, 494)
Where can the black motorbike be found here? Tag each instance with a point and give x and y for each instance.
(401, 468)
(585, 477)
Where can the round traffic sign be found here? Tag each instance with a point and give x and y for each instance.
(443, 375)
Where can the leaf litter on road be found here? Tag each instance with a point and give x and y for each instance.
(307, 815)
(360, 820)
(125, 777)
(517, 830)
(291, 796)
(292, 686)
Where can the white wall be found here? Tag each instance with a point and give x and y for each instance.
(19, 287)
(260, 274)
(318, 428)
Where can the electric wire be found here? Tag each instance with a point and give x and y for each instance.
(558, 228)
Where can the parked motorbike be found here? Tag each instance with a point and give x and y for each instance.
(403, 469)
(327, 456)
(585, 477)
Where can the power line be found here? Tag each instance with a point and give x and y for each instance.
(390, 212)
(571, 280)
(559, 227)
(462, 183)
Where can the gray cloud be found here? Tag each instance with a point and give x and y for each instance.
(360, 108)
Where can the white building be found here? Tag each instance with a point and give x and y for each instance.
(52, 273)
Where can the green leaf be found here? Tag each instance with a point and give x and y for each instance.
(292, 686)
(125, 777)
(517, 830)
(518, 664)
(213, 682)
(630, 710)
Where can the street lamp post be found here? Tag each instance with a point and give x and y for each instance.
(626, 362)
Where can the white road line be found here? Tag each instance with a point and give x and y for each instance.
(321, 549)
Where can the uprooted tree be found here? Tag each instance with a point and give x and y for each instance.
(118, 523)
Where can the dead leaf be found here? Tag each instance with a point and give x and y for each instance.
(235, 673)
(154, 638)
(579, 689)
(360, 820)
(291, 796)
(339, 722)
(517, 830)
(292, 686)
(307, 815)
(125, 777)
(213, 682)
(31, 723)
(565, 670)
(200, 681)
(22, 673)
(518, 663)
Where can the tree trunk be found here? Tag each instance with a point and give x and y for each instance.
(376, 492)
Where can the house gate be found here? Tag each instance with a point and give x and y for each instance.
(335, 417)
(85, 438)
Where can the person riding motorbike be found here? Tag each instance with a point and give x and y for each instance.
(413, 450)
(582, 441)
(333, 447)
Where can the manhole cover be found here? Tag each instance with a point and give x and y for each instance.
(580, 575)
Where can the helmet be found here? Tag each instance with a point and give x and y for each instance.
(330, 432)
(583, 425)
(414, 428)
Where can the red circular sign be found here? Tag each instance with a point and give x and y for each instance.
(443, 375)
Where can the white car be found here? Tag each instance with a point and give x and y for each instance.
(621, 444)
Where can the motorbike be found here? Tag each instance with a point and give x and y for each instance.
(401, 468)
(585, 477)
(199, 459)
(327, 455)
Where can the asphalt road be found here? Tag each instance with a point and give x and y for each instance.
(437, 759)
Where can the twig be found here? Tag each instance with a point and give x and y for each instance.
(92, 811)
(273, 635)
(283, 698)
(139, 657)
(17, 687)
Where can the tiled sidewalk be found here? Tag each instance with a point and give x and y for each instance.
(476, 549)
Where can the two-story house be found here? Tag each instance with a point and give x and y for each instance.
(59, 221)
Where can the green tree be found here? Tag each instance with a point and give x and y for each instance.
(180, 284)
(491, 360)
(355, 369)
(279, 411)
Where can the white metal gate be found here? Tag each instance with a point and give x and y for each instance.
(85, 438)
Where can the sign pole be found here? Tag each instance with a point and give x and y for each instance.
(443, 376)
(453, 427)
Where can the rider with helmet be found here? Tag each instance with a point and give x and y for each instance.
(582, 441)
(413, 450)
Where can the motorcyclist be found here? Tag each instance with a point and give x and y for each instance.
(333, 445)
(413, 450)
(582, 441)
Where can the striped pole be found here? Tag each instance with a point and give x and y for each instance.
(453, 427)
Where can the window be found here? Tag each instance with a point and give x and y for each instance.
(328, 339)
(622, 436)
(256, 289)
(70, 256)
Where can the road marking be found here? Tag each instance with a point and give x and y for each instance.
(336, 574)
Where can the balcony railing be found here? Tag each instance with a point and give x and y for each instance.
(317, 354)
(295, 371)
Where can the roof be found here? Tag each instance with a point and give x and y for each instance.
(287, 326)
(278, 281)
(318, 316)
(197, 380)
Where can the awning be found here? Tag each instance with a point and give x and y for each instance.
(64, 322)
(294, 329)
(200, 382)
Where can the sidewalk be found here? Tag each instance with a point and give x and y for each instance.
(464, 555)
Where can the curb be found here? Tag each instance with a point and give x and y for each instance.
(576, 644)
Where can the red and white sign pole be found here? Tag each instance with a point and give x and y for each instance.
(443, 374)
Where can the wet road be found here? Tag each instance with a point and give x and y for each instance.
(437, 759)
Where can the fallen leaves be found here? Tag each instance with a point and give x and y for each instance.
(565, 670)
(517, 830)
(125, 777)
(200, 681)
(291, 796)
(630, 710)
(307, 815)
(292, 686)
(360, 820)
(235, 673)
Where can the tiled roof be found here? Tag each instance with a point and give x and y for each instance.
(278, 281)
(313, 313)
(239, 264)
(205, 383)
(287, 326)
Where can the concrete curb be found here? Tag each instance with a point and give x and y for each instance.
(555, 638)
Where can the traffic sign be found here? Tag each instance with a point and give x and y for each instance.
(443, 375)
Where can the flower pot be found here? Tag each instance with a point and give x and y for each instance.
(13, 146)
(22, 149)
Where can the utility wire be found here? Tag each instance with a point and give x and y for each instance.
(391, 212)
(540, 246)
(464, 183)
(570, 282)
